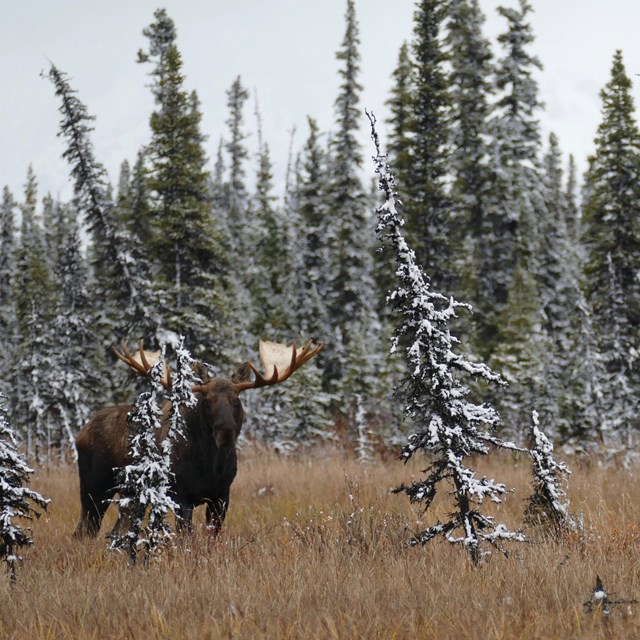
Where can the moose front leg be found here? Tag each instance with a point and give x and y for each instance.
(216, 512)
(184, 518)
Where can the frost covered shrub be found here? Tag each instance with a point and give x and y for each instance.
(144, 484)
(548, 503)
(16, 501)
(447, 424)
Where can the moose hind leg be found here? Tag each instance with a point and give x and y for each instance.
(92, 511)
(96, 488)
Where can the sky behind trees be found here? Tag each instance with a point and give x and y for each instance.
(285, 51)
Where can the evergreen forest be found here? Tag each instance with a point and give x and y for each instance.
(194, 243)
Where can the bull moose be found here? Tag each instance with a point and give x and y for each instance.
(204, 461)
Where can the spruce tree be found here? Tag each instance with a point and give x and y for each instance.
(16, 500)
(219, 197)
(585, 424)
(572, 214)
(34, 299)
(123, 195)
(400, 105)
(547, 505)
(522, 356)
(612, 239)
(469, 90)
(237, 191)
(515, 203)
(349, 244)
(447, 423)
(427, 210)
(8, 268)
(144, 484)
(310, 250)
(122, 299)
(559, 284)
(516, 208)
(182, 231)
(71, 393)
(271, 242)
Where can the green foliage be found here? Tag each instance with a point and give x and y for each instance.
(182, 250)
(470, 91)
(522, 354)
(191, 270)
(612, 240)
(515, 202)
(427, 211)
(269, 277)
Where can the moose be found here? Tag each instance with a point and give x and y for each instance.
(204, 461)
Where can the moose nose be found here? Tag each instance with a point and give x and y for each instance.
(225, 438)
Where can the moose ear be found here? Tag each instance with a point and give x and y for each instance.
(200, 370)
(242, 373)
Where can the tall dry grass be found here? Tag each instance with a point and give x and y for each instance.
(314, 548)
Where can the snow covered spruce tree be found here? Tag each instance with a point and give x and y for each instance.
(547, 504)
(310, 253)
(144, 484)
(8, 268)
(191, 273)
(428, 211)
(612, 240)
(180, 393)
(122, 297)
(449, 426)
(16, 501)
(72, 380)
(515, 202)
(34, 297)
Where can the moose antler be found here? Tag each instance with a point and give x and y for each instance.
(142, 361)
(279, 361)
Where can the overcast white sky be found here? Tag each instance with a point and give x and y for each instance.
(283, 49)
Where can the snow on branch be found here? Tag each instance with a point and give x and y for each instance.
(16, 500)
(181, 394)
(91, 188)
(548, 503)
(448, 424)
(144, 485)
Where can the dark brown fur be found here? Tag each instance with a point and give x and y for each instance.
(204, 462)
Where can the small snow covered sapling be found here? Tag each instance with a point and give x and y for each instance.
(16, 501)
(145, 482)
(449, 426)
(547, 504)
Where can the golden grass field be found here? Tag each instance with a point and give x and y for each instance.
(315, 548)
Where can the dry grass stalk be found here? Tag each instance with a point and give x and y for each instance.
(315, 548)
